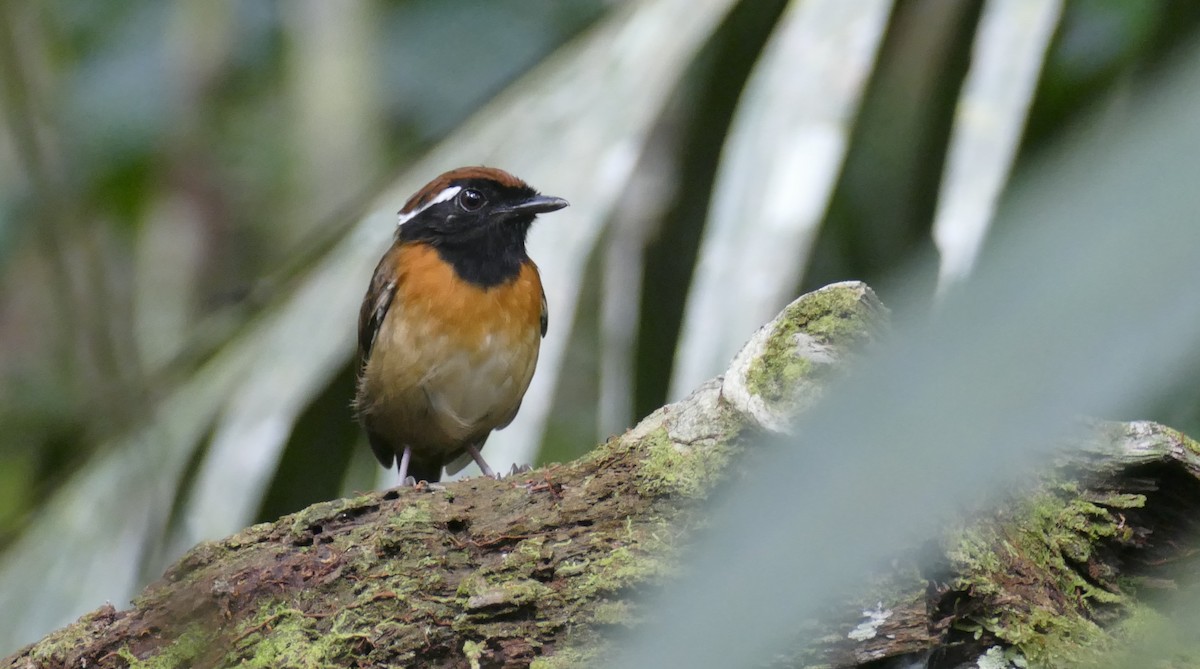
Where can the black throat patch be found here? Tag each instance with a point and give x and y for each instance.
(487, 259)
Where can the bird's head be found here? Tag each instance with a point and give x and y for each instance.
(472, 204)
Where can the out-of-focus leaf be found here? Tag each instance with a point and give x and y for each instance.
(1009, 50)
(573, 128)
(1083, 303)
(87, 544)
(776, 175)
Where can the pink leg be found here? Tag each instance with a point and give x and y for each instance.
(403, 466)
(483, 465)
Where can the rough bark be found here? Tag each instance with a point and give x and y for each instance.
(535, 569)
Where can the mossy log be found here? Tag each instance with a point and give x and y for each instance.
(477, 572)
(538, 568)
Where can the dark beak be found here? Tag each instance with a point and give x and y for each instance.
(538, 204)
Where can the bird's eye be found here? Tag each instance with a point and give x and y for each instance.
(471, 200)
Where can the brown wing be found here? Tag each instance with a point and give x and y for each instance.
(375, 304)
(374, 309)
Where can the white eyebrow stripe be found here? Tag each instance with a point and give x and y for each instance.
(441, 197)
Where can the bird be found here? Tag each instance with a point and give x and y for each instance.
(451, 324)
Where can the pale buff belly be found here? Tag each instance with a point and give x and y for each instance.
(437, 393)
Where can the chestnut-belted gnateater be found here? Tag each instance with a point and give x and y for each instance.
(449, 330)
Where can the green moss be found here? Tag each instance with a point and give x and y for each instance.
(319, 514)
(473, 651)
(568, 658)
(670, 469)
(775, 373)
(282, 636)
(569, 569)
(1022, 567)
(472, 585)
(397, 536)
(621, 568)
(411, 514)
(52, 650)
(275, 637)
(477, 591)
(181, 654)
(1191, 445)
(528, 556)
(833, 316)
(249, 536)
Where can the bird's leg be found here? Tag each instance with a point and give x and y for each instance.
(483, 465)
(402, 467)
